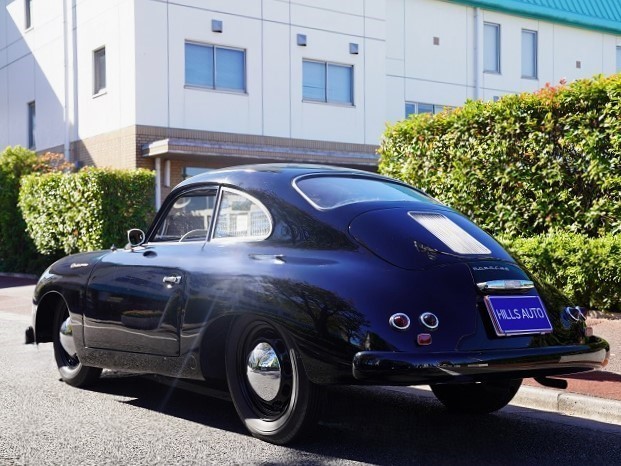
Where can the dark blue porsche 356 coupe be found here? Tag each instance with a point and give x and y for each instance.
(276, 280)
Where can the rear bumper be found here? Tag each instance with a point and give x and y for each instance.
(379, 367)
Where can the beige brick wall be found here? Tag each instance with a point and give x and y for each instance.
(124, 149)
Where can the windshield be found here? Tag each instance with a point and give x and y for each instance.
(329, 191)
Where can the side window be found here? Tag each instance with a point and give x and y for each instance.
(189, 217)
(242, 217)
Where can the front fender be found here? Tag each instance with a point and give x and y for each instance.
(65, 279)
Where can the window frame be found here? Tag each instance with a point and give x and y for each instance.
(497, 69)
(215, 87)
(99, 75)
(169, 206)
(211, 238)
(421, 196)
(32, 124)
(326, 100)
(618, 58)
(534, 50)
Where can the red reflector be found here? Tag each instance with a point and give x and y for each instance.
(423, 339)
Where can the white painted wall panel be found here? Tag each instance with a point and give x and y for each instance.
(152, 73)
(330, 20)
(276, 66)
(21, 90)
(572, 45)
(109, 24)
(373, 54)
(276, 10)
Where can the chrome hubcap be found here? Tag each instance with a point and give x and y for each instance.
(263, 371)
(66, 337)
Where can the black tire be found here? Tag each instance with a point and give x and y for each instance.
(296, 401)
(477, 398)
(72, 371)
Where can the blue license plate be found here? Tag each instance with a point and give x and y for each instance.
(518, 315)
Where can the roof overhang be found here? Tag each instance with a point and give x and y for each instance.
(237, 152)
(552, 13)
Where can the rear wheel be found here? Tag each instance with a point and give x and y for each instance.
(477, 398)
(72, 371)
(267, 382)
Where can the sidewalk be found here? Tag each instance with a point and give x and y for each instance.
(594, 395)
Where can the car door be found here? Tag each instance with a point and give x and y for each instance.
(136, 297)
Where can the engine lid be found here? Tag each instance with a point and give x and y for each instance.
(421, 237)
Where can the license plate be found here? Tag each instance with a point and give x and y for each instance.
(518, 315)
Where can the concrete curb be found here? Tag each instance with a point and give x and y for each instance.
(547, 399)
(569, 404)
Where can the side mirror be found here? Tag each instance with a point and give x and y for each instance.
(135, 237)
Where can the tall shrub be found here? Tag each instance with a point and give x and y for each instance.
(17, 251)
(88, 210)
(525, 165)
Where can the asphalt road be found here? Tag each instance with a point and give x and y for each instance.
(132, 420)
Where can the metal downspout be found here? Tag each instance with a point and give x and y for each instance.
(67, 84)
(478, 52)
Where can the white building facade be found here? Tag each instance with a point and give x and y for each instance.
(195, 84)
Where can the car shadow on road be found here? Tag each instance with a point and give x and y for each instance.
(403, 426)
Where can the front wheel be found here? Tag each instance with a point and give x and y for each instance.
(477, 398)
(267, 382)
(72, 371)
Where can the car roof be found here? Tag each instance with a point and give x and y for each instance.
(256, 174)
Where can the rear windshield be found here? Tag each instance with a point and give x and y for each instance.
(329, 192)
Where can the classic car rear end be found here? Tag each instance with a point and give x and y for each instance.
(274, 280)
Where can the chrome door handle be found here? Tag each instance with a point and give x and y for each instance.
(172, 280)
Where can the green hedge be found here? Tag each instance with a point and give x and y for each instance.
(524, 165)
(587, 270)
(88, 210)
(17, 251)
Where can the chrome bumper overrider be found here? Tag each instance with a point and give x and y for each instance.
(382, 367)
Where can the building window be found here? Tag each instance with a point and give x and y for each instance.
(491, 48)
(529, 54)
(214, 67)
(328, 82)
(618, 59)
(415, 108)
(99, 71)
(31, 124)
(189, 172)
(27, 14)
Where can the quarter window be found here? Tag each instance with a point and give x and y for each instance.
(241, 217)
(213, 67)
(529, 54)
(99, 71)
(491, 48)
(327, 82)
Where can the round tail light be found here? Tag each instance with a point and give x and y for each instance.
(399, 321)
